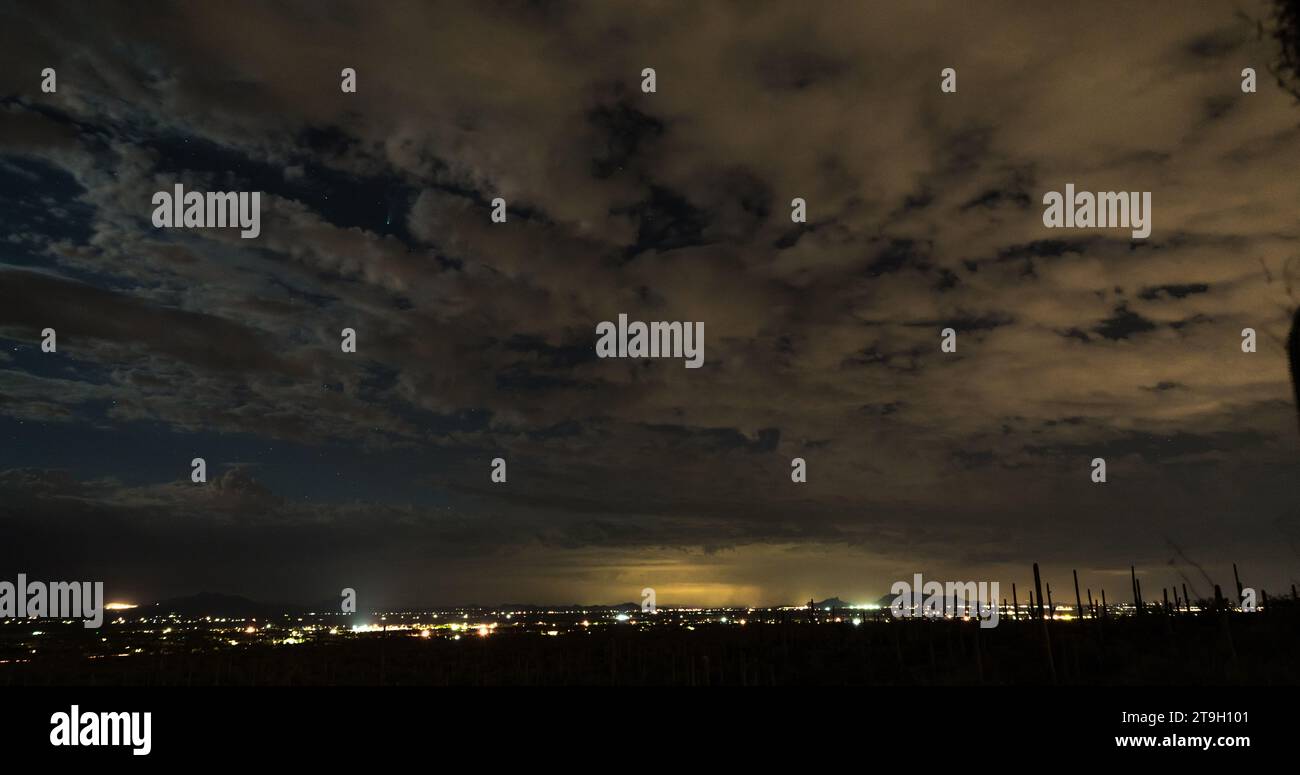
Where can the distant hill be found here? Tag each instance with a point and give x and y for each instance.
(215, 604)
(565, 607)
(831, 602)
(218, 604)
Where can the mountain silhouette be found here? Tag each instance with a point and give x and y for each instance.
(216, 604)
(831, 602)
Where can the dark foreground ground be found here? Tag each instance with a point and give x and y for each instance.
(1189, 649)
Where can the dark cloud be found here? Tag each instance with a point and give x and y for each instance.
(1124, 324)
(476, 340)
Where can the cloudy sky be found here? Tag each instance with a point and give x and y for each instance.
(477, 340)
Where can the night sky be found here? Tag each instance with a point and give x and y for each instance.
(476, 340)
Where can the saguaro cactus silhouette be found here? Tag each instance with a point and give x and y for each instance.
(1284, 28)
